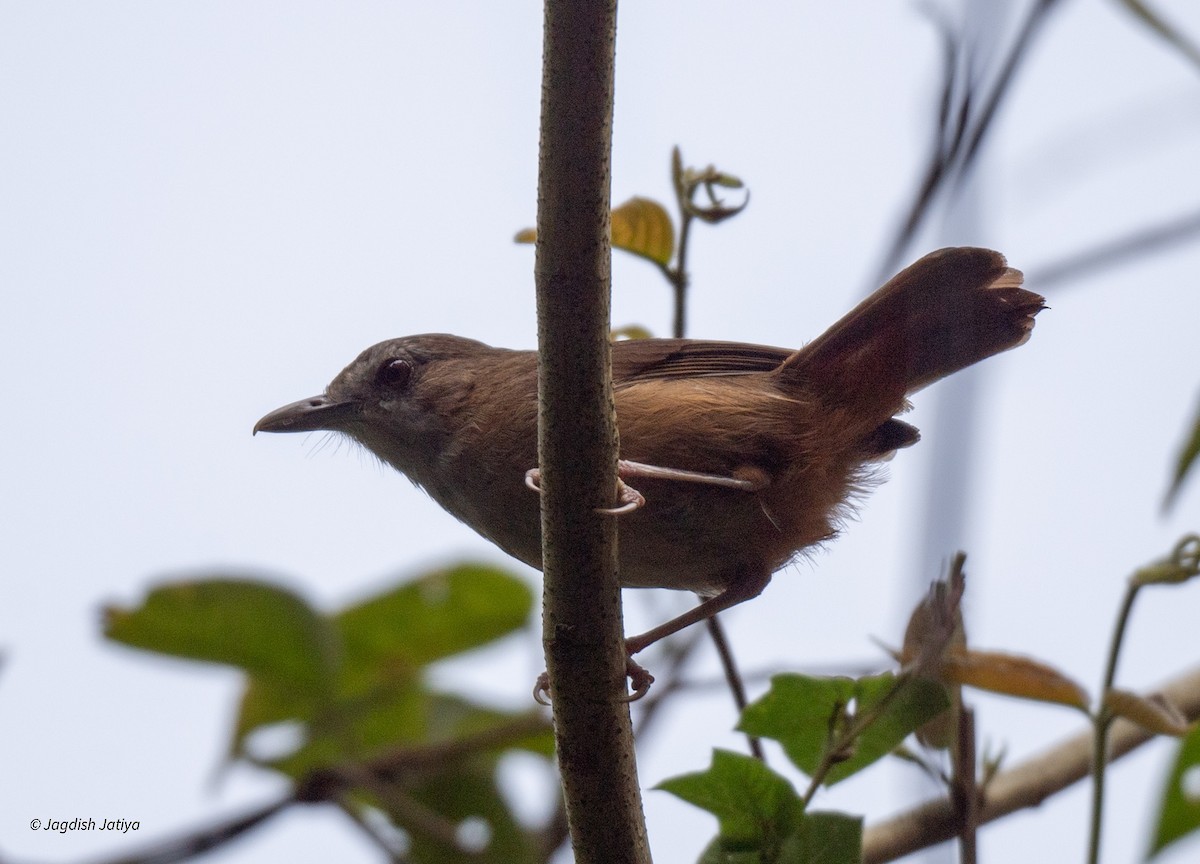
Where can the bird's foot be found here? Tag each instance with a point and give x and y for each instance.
(628, 498)
(639, 680)
(747, 479)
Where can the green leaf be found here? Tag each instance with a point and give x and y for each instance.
(716, 853)
(817, 838)
(1187, 458)
(451, 717)
(435, 755)
(915, 702)
(404, 719)
(824, 838)
(458, 793)
(263, 629)
(753, 805)
(799, 711)
(366, 726)
(264, 705)
(357, 729)
(810, 716)
(1179, 810)
(431, 794)
(381, 698)
(443, 613)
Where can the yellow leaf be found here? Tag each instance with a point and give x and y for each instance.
(640, 226)
(630, 331)
(1013, 676)
(1154, 714)
(643, 227)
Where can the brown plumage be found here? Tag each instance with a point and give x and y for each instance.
(798, 429)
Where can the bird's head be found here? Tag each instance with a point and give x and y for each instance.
(396, 399)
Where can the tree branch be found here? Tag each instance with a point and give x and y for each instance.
(1027, 785)
(577, 437)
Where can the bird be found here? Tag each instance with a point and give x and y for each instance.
(742, 456)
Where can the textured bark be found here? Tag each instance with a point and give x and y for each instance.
(577, 440)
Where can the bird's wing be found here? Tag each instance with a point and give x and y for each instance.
(637, 360)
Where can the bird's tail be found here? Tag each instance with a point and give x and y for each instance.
(952, 308)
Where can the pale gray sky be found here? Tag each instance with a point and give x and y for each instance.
(207, 209)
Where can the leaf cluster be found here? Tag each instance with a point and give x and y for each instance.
(351, 690)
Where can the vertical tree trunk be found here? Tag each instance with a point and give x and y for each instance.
(577, 440)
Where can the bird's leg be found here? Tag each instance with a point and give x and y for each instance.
(639, 679)
(739, 591)
(745, 479)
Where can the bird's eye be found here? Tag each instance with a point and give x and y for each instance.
(394, 373)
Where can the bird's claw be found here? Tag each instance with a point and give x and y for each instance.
(533, 479)
(541, 689)
(745, 479)
(628, 498)
(639, 680)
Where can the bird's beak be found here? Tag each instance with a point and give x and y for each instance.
(307, 415)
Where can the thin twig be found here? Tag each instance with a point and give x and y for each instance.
(733, 676)
(1103, 722)
(1180, 229)
(205, 839)
(437, 753)
(373, 836)
(679, 278)
(942, 150)
(965, 787)
(1034, 23)
(1027, 785)
(955, 149)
